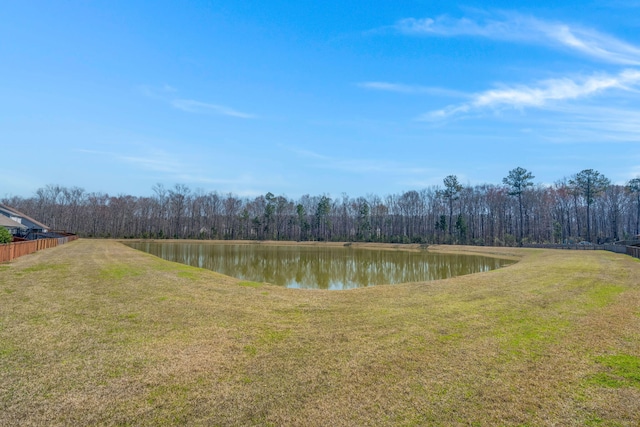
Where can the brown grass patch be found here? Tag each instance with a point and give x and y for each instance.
(96, 333)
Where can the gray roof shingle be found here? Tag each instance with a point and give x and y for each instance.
(9, 223)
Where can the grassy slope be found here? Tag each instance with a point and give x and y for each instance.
(96, 333)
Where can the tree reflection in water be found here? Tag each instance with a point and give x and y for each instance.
(318, 267)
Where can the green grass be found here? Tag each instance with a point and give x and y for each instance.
(603, 295)
(251, 284)
(620, 370)
(95, 333)
(42, 268)
(118, 272)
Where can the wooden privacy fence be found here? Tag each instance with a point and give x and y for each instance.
(634, 251)
(10, 251)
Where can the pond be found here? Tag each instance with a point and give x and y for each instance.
(320, 267)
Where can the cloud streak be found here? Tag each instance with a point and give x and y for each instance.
(164, 166)
(544, 94)
(192, 106)
(410, 89)
(593, 124)
(153, 160)
(168, 93)
(358, 165)
(152, 164)
(519, 28)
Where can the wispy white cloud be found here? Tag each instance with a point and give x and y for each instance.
(168, 88)
(527, 29)
(192, 106)
(540, 96)
(410, 89)
(306, 153)
(359, 165)
(450, 27)
(156, 92)
(153, 164)
(402, 173)
(375, 166)
(165, 166)
(592, 124)
(168, 93)
(153, 160)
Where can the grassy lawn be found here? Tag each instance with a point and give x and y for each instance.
(96, 333)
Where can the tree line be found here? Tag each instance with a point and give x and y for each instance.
(583, 207)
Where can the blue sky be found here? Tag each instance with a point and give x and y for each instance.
(306, 97)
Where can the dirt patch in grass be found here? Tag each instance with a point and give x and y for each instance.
(96, 333)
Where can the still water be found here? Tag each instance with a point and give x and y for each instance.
(320, 267)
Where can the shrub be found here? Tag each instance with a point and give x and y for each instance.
(5, 236)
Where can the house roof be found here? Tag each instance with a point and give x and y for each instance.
(9, 223)
(7, 210)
